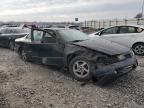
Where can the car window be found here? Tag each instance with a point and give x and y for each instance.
(112, 30)
(131, 30)
(128, 30)
(48, 38)
(38, 35)
(52, 33)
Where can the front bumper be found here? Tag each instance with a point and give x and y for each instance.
(113, 71)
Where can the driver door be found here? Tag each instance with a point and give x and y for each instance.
(50, 50)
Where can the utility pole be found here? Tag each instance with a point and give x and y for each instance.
(142, 9)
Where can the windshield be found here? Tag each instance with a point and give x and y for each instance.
(73, 35)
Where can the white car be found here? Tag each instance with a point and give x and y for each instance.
(127, 35)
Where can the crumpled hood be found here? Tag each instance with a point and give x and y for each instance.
(102, 45)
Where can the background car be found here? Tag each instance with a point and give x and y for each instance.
(89, 30)
(83, 56)
(9, 34)
(75, 27)
(130, 36)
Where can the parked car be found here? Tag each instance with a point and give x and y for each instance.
(88, 30)
(9, 34)
(130, 36)
(76, 27)
(83, 56)
(9, 25)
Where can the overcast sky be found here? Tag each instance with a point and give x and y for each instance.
(67, 10)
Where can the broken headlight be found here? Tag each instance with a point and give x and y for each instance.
(121, 57)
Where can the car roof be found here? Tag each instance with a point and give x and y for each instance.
(141, 26)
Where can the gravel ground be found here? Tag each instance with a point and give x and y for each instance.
(27, 85)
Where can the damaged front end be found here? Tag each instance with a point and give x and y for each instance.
(111, 67)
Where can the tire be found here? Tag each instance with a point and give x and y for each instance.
(139, 49)
(80, 68)
(11, 45)
(23, 55)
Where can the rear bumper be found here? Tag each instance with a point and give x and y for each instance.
(110, 72)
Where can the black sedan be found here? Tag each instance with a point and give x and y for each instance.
(83, 57)
(9, 34)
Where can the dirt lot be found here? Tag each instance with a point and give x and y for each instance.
(27, 85)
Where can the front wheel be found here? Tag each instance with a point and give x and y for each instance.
(80, 68)
(139, 49)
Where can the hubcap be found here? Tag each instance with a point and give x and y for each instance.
(139, 49)
(81, 69)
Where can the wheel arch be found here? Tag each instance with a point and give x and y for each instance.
(137, 43)
(73, 55)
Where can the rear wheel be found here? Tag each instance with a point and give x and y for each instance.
(23, 55)
(11, 45)
(139, 49)
(80, 68)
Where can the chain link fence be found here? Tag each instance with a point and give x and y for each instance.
(108, 23)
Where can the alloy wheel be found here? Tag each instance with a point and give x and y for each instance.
(81, 69)
(139, 49)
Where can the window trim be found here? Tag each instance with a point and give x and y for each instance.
(131, 26)
(44, 34)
